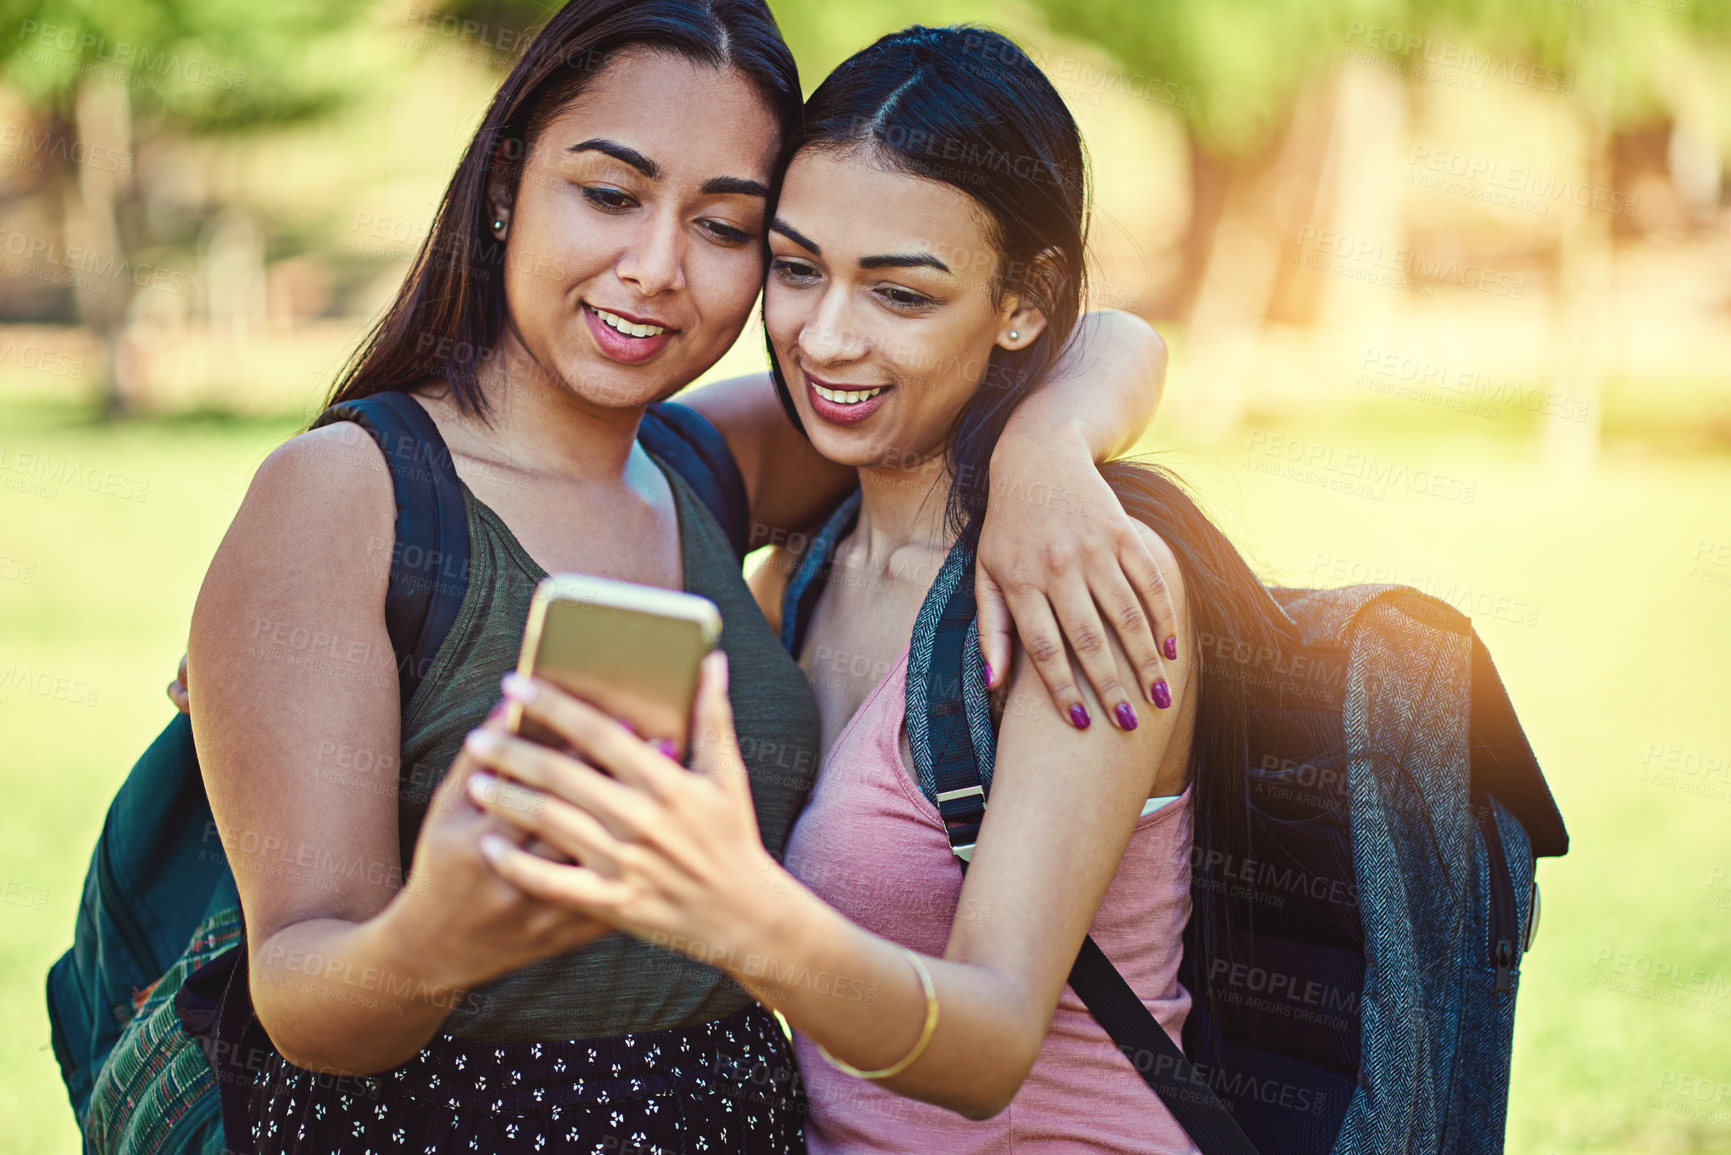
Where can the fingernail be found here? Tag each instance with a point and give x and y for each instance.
(517, 686)
(1125, 715)
(665, 748)
(988, 673)
(481, 742)
(1079, 716)
(498, 711)
(1171, 649)
(479, 784)
(1162, 696)
(494, 847)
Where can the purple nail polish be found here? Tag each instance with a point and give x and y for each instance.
(1162, 696)
(1171, 649)
(988, 673)
(665, 748)
(1125, 715)
(1079, 716)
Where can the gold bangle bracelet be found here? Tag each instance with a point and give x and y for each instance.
(925, 1034)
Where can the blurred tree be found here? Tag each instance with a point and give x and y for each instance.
(1247, 65)
(1626, 64)
(105, 76)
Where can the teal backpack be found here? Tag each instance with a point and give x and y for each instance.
(159, 904)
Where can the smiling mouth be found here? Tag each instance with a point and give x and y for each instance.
(624, 326)
(845, 396)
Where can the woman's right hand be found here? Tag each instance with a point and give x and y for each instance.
(456, 919)
(479, 925)
(454, 910)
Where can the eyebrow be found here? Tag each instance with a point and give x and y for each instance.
(904, 261)
(734, 186)
(714, 186)
(622, 153)
(893, 261)
(780, 226)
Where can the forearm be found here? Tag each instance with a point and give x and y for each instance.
(1104, 389)
(347, 998)
(856, 995)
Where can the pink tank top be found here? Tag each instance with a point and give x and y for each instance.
(872, 846)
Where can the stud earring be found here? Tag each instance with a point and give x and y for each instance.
(499, 229)
(1015, 336)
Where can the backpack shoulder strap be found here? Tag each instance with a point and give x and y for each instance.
(799, 599)
(950, 734)
(683, 438)
(950, 728)
(430, 557)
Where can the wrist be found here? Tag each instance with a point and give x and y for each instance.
(409, 950)
(1025, 440)
(767, 935)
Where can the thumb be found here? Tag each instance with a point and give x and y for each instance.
(714, 745)
(993, 616)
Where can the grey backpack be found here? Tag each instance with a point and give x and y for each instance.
(1383, 892)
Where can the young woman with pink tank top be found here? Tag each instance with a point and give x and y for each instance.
(927, 255)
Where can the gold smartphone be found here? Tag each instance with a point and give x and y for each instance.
(632, 651)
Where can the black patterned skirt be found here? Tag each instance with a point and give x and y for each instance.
(726, 1086)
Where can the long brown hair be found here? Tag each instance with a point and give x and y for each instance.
(1231, 612)
(448, 315)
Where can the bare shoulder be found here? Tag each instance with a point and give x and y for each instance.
(328, 480)
(340, 459)
(317, 523)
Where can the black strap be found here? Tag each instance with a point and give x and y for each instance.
(696, 450)
(1183, 1088)
(961, 796)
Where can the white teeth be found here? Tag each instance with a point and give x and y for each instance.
(627, 327)
(846, 396)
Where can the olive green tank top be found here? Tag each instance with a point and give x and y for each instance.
(618, 984)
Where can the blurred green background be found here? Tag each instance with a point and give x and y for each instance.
(1484, 241)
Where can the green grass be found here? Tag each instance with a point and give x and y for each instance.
(1627, 649)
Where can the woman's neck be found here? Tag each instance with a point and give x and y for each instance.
(903, 518)
(539, 424)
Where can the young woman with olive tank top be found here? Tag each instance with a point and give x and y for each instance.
(601, 243)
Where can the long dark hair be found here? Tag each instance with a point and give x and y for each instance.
(966, 107)
(1231, 613)
(448, 315)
